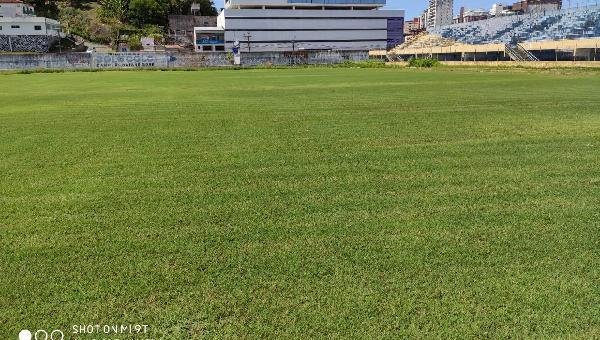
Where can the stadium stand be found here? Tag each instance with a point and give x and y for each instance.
(572, 23)
(571, 34)
(424, 40)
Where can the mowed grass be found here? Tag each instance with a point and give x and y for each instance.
(302, 203)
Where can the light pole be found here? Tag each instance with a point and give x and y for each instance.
(248, 36)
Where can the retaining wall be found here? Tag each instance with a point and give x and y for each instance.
(26, 43)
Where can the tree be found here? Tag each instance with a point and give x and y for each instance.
(78, 3)
(45, 8)
(207, 7)
(148, 12)
(114, 9)
(183, 7)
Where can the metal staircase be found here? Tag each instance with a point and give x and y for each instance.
(524, 51)
(517, 52)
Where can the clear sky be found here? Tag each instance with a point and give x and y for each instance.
(415, 7)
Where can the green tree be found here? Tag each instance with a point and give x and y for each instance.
(45, 8)
(148, 12)
(77, 3)
(114, 9)
(183, 7)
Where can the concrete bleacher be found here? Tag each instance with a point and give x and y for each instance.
(424, 40)
(572, 23)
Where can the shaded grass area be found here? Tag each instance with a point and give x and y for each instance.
(302, 203)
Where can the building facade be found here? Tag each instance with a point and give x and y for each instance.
(181, 27)
(439, 13)
(22, 31)
(15, 8)
(295, 25)
(496, 10)
(529, 6)
(412, 27)
(470, 15)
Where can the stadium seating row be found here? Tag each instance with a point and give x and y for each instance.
(572, 23)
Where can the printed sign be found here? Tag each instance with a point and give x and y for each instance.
(129, 59)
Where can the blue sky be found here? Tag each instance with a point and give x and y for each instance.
(415, 7)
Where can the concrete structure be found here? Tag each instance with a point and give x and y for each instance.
(561, 50)
(133, 60)
(296, 25)
(181, 27)
(22, 31)
(209, 39)
(439, 13)
(570, 23)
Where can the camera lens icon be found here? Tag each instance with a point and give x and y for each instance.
(25, 335)
(41, 334)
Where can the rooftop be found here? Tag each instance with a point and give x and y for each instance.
(303, 3)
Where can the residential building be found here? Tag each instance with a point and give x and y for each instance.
(496, 10)
(413, 26)
(22, 31)
(424, 17)
(439, 13)
(15, 8)
(474, 15)
(529, 6)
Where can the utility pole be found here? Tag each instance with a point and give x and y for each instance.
(294, 51)
(248, 36)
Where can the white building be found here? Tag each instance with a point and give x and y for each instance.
(496, 10)
(15, 8)
(22, 31)
(293, 25)
(439, 13)
(424, 18)
(29, 26)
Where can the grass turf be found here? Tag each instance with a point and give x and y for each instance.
(359, 203)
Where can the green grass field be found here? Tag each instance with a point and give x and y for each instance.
(302, 203)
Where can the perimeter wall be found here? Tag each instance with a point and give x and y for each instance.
(13, 61)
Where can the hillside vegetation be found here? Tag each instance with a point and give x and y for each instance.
(104, 21)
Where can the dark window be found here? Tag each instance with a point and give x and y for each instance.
(206, 48)
(220, 48)
(37, 28)
(15, 26)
